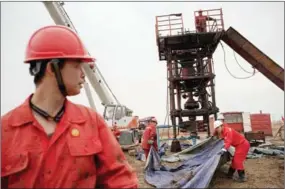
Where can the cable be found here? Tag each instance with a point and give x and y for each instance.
(229, 70)
(241, 66)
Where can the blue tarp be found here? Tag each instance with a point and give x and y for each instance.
(195, 172)
(257, 152)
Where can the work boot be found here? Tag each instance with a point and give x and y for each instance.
(231, 172)
(241, 176)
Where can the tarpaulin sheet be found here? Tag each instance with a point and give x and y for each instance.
(195, 172)
(257, 152)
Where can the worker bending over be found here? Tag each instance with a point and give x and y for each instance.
(149, 137)
(50, 142)
(201, 21)
(233, 138)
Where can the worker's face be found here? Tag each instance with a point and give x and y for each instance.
(73, 76)
(200, 13)
(219, 129)
(153, 123)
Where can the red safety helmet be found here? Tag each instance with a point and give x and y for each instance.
(56, 41)
(153, 119)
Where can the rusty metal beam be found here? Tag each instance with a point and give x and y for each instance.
(255, 57)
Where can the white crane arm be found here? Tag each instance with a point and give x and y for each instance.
(94, 76)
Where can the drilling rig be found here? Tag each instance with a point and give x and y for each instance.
(188, 55)
(190, 70)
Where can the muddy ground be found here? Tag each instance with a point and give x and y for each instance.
(266, 172)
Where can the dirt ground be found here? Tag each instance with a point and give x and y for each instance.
(261, 173)
(266, 172)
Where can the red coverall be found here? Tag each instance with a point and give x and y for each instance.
(235, 139)
(116, 132)
(201, 25)
(82, 152)
(149, 134)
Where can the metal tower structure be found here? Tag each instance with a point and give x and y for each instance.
(188, 55)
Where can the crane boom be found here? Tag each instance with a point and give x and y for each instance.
(97, 81)
(114, 112)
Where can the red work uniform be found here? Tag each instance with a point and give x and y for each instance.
(201, 23)
(149, 134)
(82, 153)
(235, 139)
(116, 132)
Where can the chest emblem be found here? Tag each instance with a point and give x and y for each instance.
(75, 132)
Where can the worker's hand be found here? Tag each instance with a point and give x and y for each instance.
(223, 150)
(150, 141)
(214, 137)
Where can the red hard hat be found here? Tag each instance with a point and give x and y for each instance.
(153, 119)
(56, 41)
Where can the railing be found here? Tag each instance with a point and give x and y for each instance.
(168, 25)
(214, 19)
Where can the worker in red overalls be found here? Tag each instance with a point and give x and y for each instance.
(149, 137)
(116, 131)
(201, 21)
(233, 138)
(50, 142)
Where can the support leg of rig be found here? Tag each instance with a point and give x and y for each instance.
(175, 146)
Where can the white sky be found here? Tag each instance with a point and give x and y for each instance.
(122, 38)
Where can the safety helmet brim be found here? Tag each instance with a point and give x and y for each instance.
(83, 59)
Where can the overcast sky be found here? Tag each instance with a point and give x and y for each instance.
(121, 36)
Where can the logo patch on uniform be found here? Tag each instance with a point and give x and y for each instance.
(75, 132)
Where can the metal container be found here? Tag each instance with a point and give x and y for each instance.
(261, 122)
(234, 120)
(254, 136)
(236, 126)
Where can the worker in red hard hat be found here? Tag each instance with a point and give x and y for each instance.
(50, 142)
(233, 138)
(150, 137)
(201, 21)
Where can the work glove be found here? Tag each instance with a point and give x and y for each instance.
(223, 150)
(150, 141)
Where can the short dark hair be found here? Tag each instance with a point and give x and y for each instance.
(41, 73)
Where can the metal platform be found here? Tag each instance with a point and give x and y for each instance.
(189, 44)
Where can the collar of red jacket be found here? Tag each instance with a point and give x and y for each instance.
(23, 115)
